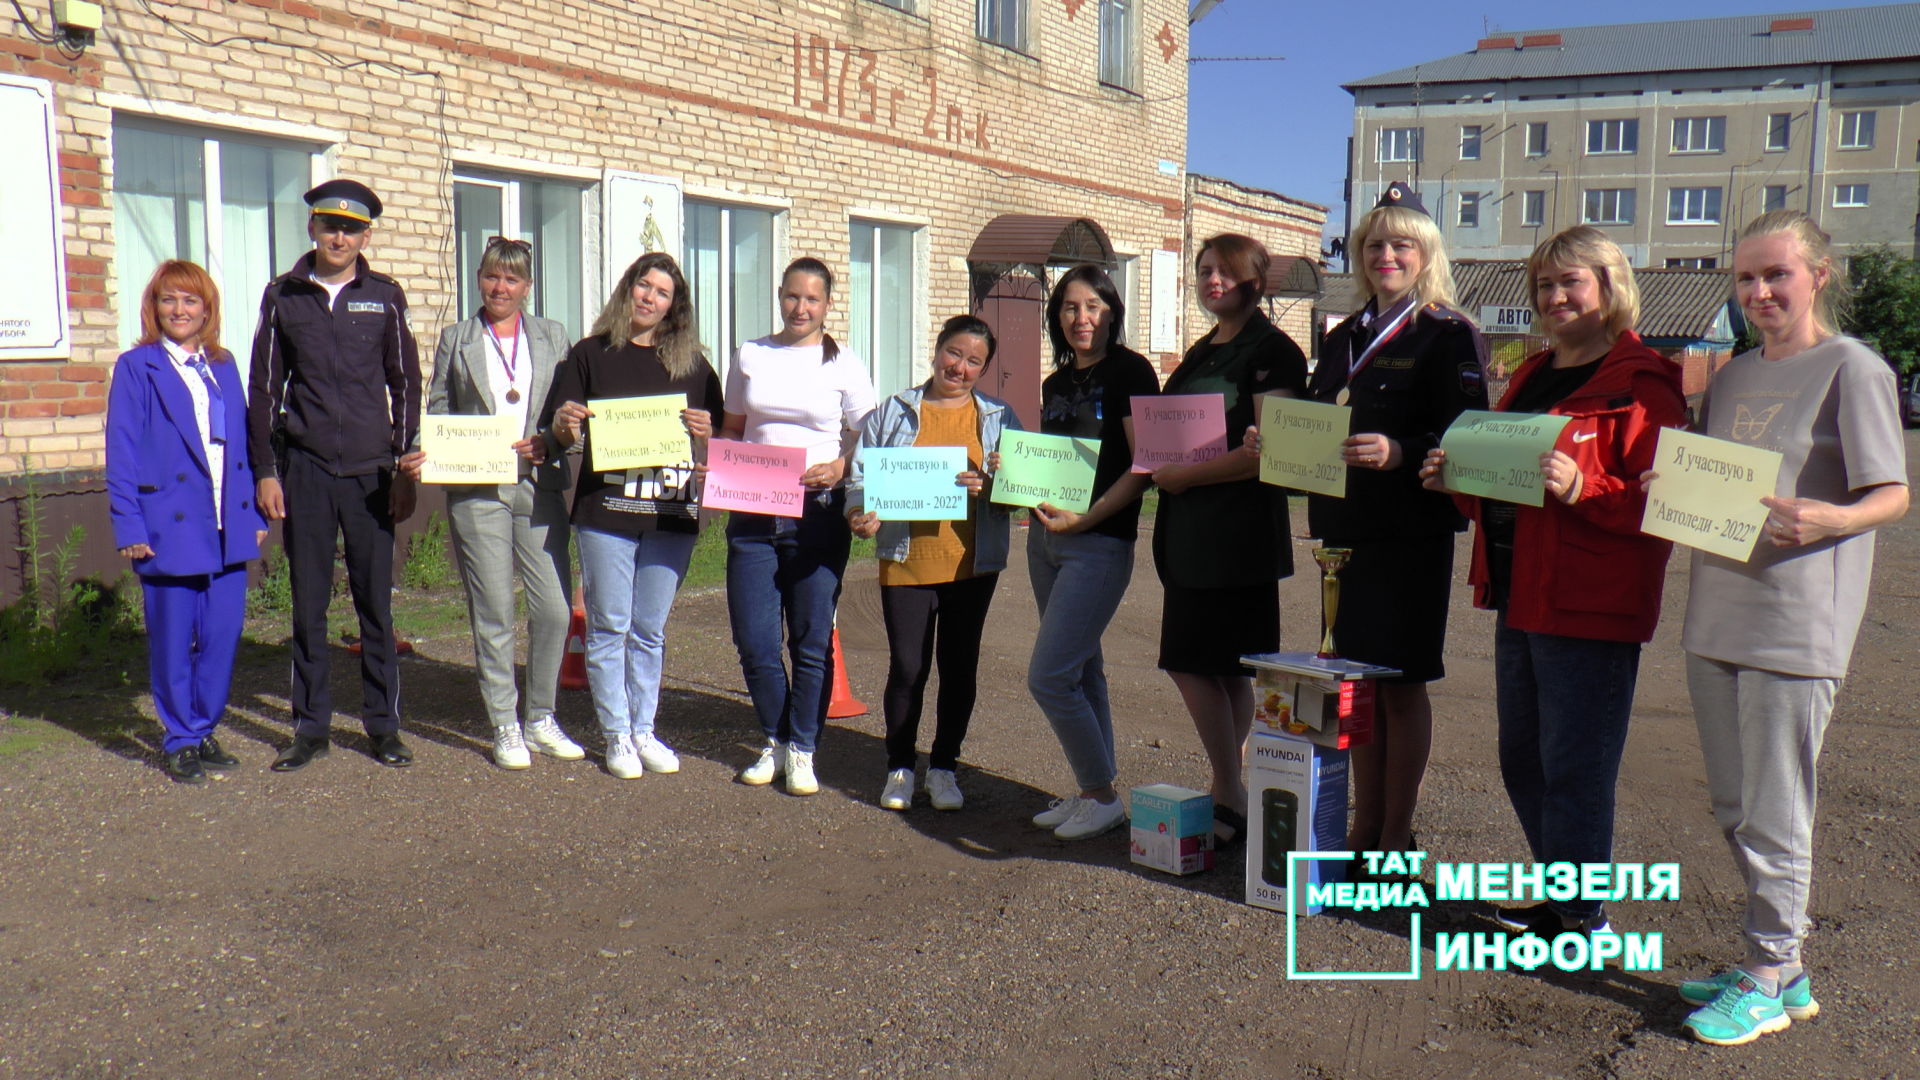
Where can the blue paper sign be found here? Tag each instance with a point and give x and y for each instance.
(915, 483)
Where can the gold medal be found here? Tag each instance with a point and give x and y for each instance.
(1345, 394)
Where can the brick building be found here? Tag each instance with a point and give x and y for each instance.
(1289, 227)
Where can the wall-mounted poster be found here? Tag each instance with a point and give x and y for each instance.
(33, 276)
(642, 214)
(1163, 329)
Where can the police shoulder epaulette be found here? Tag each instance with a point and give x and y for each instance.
(1440, 311)
(378, 276)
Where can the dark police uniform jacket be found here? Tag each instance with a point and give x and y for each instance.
(339, 383)
(1411, 391)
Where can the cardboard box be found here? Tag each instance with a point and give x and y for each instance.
(1326, 699)
(1336, 715)
(1273, 692)
(1172, 828)
(1297, 801)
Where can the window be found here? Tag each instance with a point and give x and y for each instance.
(1693, 206)
(730, 271)
(1779, 131)
(898, 5)
(1774, 197)
(1856, 131)
(1699, 134)
(1609, 206)
(1399, 144)
(1003, 22)
(1470, 142)
(1469, 210)
(226, 201)
(880, 303)
(1613, 136)
(1116, 42)
(1537, 139)
(1533, 208)
(547, 215)
(1707, 263)
(1849, 194)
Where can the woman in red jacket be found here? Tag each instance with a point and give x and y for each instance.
(1575, 584)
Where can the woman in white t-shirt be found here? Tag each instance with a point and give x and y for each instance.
(796, 388)
(1768, 637)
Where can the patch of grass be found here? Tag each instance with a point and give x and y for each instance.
(59, 624)
(430, 557)
(18, 737)
(274, 594)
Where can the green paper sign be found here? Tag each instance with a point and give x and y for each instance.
(1496, 455)
(1051, 469)
(1300, 445)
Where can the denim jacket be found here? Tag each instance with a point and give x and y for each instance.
(897, 423)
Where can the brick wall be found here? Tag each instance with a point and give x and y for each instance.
(1287, 226)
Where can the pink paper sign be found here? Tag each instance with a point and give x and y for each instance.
(754, 477)
(1178, 429)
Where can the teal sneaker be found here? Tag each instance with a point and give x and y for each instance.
(1740, 1014)
(1796, 997)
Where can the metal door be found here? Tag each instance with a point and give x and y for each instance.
(1014, 307)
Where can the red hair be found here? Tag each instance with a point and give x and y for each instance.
(179, 275)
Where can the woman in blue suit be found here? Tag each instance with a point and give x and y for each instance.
(180, 493)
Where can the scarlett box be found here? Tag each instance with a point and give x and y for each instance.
(1173, 829)
(1297, 801)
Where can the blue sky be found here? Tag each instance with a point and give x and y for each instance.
(1283, 125)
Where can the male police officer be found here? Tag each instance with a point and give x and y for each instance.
(333, 401)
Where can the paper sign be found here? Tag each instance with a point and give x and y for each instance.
(1300, 445)
(469, 449)
(915, 483)
(1051, 469)
(1707, 494)
(1178, 429)
(1496, 455)
(754, 477)
(638, 432)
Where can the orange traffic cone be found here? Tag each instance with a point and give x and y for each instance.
(844, 704)
(573, 665)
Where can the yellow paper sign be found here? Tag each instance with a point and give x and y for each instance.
(1707, 493)
(638, 432)
(1300, 445)
(469, 449)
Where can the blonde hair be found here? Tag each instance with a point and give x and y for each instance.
(676, 337)
(1588, 247)
(1435, 284)
(507, 257)
(1829, 300)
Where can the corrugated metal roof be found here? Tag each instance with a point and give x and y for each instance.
(1682, 304)
(1041, 239)
(1842, 35)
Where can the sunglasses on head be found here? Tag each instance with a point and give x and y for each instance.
(503, 241)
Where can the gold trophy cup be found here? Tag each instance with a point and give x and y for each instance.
(1331, 560)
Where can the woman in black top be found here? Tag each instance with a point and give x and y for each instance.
(1081, 564)
(636, 527)
(1407, 364)
(1221, 541)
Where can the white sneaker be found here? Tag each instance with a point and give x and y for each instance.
(545, 736)
(509, 750)
(1091, 818)
(1057, 812)
(623, 760)
(944, 789)
(898, 794)
(800, 778)
(763, 770)
(656, 755)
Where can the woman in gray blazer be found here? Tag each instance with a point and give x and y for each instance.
(501, 361)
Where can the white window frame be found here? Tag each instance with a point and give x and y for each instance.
(1468, 214)
(1697, 206)
(1699, 134)
(1767, 202)
(1855, 130)
(1616, 136)
(1119, 43)
(917, 287)
(1780, 124)
(1850, 196)
(1695, 262)
(1403, 144)
(1620, 197)
(1533, 208)
(1537, 127)
(510, 226)
(1470, 138)
(988, 16)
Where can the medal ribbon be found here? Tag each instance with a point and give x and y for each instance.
(512, 365)
(1386, 334)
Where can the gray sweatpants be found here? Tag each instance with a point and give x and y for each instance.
(1760, 732)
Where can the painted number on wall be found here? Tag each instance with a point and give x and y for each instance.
(847, 82)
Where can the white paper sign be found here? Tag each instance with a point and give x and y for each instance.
(33, 276)
(1163, 327)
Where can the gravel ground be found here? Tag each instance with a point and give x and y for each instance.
(454, 920)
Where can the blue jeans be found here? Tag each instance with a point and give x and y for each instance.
(630, 585)
(1078, 581)
(788, 570)
(1564, 704)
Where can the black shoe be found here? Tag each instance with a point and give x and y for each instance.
(305, 748)
(1545, 923)
(183, 766)
(215, 758)
(389, 750)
